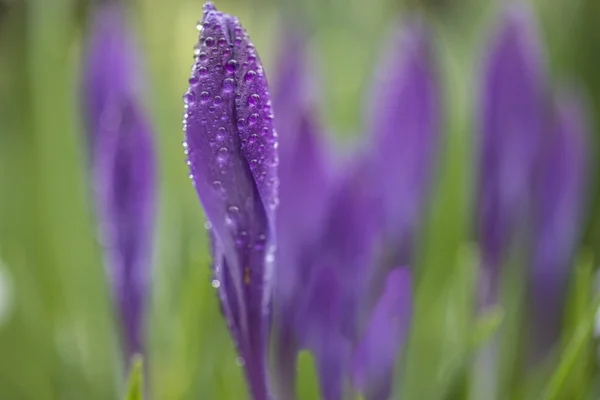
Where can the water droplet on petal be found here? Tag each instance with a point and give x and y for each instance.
(250, 75)
(215, 283)
(253, 99)
(189, 99)
(253, 118)
(232, 65)
(222, 42)
(233, 209)
(228, 85)
(204, 97)
(221, 132)
(209, 41)
(207, 225)
(240, 362)
(223, 154)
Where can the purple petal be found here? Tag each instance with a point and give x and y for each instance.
(232, 153)
(376, 354)
(405, 121)
(559, 201)
(318, 326)
(513, 117)
(304, 174)
(123, 161)
(350, 237)
(304, 191)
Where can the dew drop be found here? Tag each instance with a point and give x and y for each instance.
(233, 209)
(241, 123)
(209, 41)
(240, 362)
(250, 75)
(223, 154)
(202, 56)
(203, 71)
(199, 26)
(265, 131)
(193, 81)
(211, 109)
(218, 100)
(218, 68)
(238, 40)
(217, 185)
(253, 118)
(253, 99)
(215, 283)
(252, 139)
(221, 132)
(232, 65)
(207, 225)
(189, 99)
(222, 42)
(196, 50)
(228, 85)
(204, 97)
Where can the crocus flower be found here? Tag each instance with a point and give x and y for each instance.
(231, 147)
(404, 123)
(512, 130)
(331, 227)
(532, 170)
(123, 166)
(559, 193)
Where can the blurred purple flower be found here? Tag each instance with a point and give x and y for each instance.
(532, 170)
(404, 122)
(512, 132)
(329, 233)
(123, 164)
(559, 194)
(231, 147)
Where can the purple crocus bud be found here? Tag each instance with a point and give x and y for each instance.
(231, 147)
(405, 122)
(123, 163)
(559, 195)
(336, 274)
(375, 356)
(513, 117)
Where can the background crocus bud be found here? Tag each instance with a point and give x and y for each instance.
(231, 147)
(404, 122)
(559, 193)
(512, 124)
(123, 164)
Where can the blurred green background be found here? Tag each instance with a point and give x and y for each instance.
(57, 332)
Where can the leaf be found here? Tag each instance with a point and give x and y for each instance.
(580, 337)
(486, 327)
(135, 385)
(308, 384)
